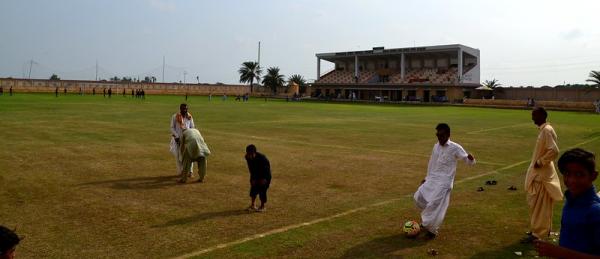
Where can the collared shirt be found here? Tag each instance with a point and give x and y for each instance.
(442, 164)
(580, 223)
(176, 129)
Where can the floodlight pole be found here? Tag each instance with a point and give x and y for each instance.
(30, 65)
(258, 54)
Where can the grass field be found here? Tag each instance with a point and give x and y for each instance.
(89, 177)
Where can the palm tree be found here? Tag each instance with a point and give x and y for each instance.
(298, 79)
(491, 83)
(248, 72)
(273, 79)
(594, 78)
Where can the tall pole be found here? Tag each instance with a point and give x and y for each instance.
(259, 53)
(30, 65)
(96, 70)
(163, 78)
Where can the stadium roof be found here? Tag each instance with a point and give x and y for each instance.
(381, 51)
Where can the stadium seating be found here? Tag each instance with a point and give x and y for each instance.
(425, 75)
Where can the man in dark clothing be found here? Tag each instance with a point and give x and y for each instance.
(8, 242)
(109, 92)
(260, 177)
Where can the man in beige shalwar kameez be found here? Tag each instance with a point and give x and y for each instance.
(542, 184)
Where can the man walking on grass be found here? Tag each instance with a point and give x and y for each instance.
(541, 182)
(433, 196)
(179, 122)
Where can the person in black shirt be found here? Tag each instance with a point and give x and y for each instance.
(8, 242)
(260, 177)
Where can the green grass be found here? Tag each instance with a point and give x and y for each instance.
(88, 177)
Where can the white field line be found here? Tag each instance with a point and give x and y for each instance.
(333, 146)
(499, 128)
(348, 212)
(308, 223)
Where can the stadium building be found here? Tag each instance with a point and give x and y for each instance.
(444, 73)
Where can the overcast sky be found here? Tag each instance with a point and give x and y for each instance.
(522, 42)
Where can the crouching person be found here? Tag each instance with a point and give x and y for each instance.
(260, 177)
(193, 149)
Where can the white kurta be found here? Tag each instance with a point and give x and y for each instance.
(176, 132)
(433, 196)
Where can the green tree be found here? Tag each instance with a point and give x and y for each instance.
(594, 78)
(273, 79)
(492, 83)
(300, 81)
(248, 72)
(54, 77)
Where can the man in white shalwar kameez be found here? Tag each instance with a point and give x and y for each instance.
(179, 122)
(433, 196)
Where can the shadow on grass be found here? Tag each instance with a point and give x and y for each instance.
(526, 251)
(383, 247)
(154, 182)
(202, 217)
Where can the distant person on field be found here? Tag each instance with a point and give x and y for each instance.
(109, 92)
(65, 91)
(104, 92)
(8, 243)
(193, 149)
(1, 90)
(433, 196)
(56, 92)
(597, 104)
(260, 177)
(580, 223)
(10, 91)
(541, 182)
(224, 98)
(179, 122)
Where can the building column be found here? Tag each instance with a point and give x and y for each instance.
(318, 68)
(355, 66)
(402, 66)
(460, 65)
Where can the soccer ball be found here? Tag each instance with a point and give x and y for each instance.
(411, 228)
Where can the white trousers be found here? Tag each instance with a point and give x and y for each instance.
(433, 200)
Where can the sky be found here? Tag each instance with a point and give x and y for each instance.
(522, 42)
